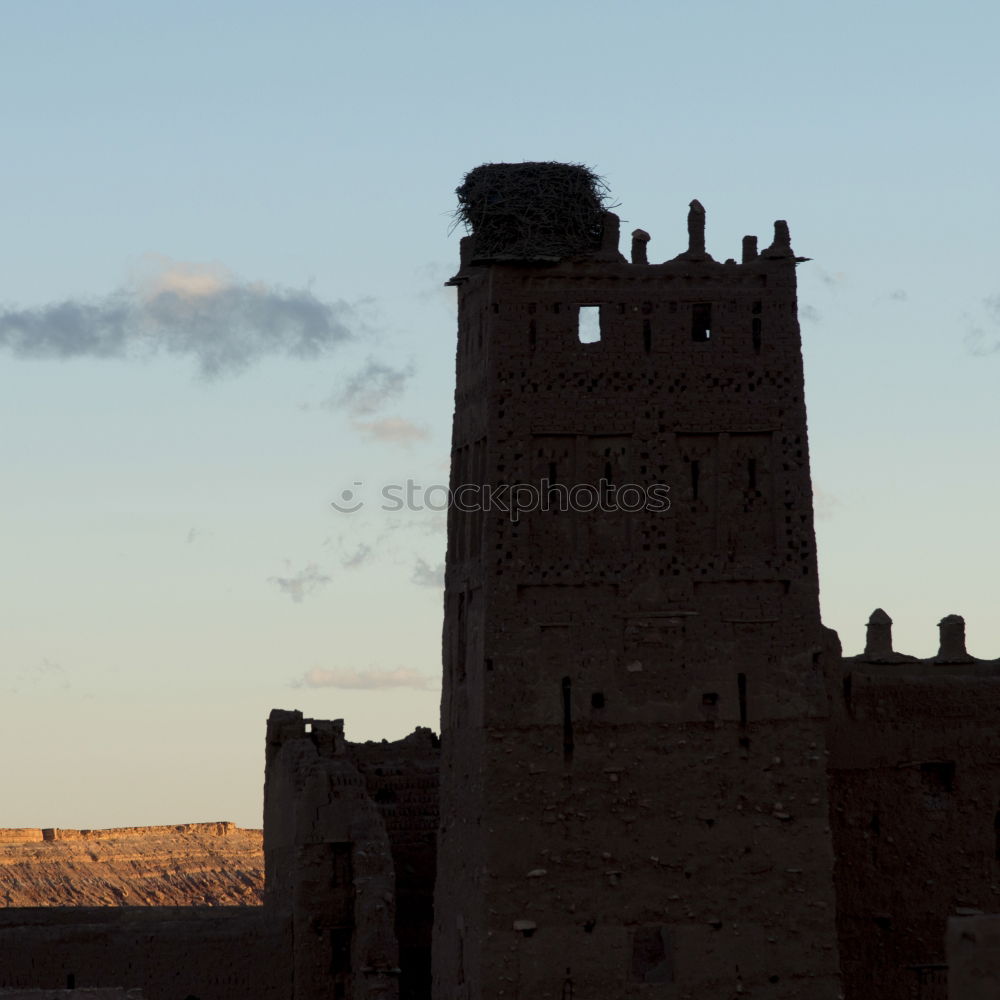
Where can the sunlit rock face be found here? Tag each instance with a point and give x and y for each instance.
(193, 864)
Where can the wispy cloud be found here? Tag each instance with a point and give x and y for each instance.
(358, 557)
(834, 280)
(898, 295)
(196, 310)
(425, 575)
(368, 390)
(809, 313)
(363, 680)
(980, 340)
(46, 674)
(391, 430)
(824, 503)
(301, 584)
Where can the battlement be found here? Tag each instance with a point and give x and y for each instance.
(951, 645)
(284, 726)
(544, 213)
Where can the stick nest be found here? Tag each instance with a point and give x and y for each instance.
(532, 211)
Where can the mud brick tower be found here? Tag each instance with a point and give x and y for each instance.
(633, 785)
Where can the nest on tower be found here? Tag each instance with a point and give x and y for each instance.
(532, 211)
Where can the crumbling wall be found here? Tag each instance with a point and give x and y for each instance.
(915, 808)
(402, 780)
(213, 953)
(338, 817)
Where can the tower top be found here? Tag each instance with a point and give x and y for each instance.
(532, 211)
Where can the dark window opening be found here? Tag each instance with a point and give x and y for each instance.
(741, 690)
(489, 663)
(588, 328)
(701, 321)
(751, 473)
(532, 334)
(647, 336)
(755, 334)
(553, 477)
(385, 796)
(71, 980)
(340, 950)
(695, 476)
(755, 308)
(938, 776)
(567, 718)
(608, 477)
(597, 701)
(460, 638)
(996, 836)
(710, 699)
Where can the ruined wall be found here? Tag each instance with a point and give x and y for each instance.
(338, 818)
(213, 953)
(402, 780)
(915, 793)
(633, 769)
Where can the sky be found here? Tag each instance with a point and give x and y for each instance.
(226, 229)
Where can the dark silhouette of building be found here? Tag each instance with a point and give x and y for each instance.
(657, 775)
(633, 782)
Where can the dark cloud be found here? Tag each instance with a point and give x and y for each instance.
(369, 389)
(301, 584)
(182, 309)
(809, 313)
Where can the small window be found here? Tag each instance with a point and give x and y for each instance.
(701, 321)
(589, 325)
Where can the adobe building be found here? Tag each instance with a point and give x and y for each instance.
(657, 776)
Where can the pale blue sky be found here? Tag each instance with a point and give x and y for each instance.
(172, 566)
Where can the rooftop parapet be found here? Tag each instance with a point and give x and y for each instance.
(952, 644)
(879, 639)
(547, 212)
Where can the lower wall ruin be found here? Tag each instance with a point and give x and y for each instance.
(170, 953)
